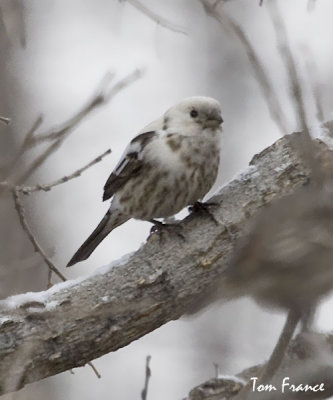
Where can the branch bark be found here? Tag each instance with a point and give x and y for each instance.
(77, 321)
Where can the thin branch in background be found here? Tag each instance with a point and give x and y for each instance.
(59, 134)
(268, 91)
(216, 369)
(12, 18)
(217, 2)
(261, 3)
(20, 212)
(30, 140)
(311, 5)
(294, 83)
(64, 179)
(5, 120)
(144, 392)
(155, 17)
(289, 62)
(52, 268)
(311, 70)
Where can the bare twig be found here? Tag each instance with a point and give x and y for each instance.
(59, 134)
(268, 91)
(289, 62)
(312, 79)
(144, 392)
(52, 268)
(20, 212)
(5, 120)
(27, 143)
(261, 2)
(217, 2)
(311, 5)
(155, 17)
(216, 369)
(30, 140)
(12, 18)
(99, 98)
(295, 86)
(75, 174)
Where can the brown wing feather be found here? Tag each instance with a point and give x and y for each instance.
(129, 167)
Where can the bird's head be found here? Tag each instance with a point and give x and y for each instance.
(194, 114)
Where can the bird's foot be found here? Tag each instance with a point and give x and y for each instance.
(204, 209)
(160, 228)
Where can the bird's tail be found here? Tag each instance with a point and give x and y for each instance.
(109, 222)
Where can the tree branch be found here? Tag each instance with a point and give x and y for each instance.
(154, 17)
(20, 212)
(47, 187)
(144, 392)
(58, 134)
(228, 24)
(76, 321)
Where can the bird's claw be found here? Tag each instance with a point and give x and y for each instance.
(160, 227)
(204, 208)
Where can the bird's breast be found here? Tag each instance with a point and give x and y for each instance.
(177, 173)
(176, 153)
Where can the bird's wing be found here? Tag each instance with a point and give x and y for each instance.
(129, 165)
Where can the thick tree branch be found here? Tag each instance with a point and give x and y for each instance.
(74, 322)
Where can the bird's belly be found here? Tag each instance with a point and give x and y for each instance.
(160, 193)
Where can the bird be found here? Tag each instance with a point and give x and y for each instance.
(172, 163)
(285, 261)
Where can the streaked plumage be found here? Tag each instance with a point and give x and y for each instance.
(172, 163)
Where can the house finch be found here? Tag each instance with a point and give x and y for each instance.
(172, 163)
(286, 260)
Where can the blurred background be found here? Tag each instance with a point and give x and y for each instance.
(54, 54)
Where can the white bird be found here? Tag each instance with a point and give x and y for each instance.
(171, 164)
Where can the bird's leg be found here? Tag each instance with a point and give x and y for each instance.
(307, 319)
(204, 208)
(281, 346)
(276, 358)
(160, 227)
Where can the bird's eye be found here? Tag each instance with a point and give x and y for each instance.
(194, 113)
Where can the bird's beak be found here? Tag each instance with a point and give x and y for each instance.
(214, 120)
